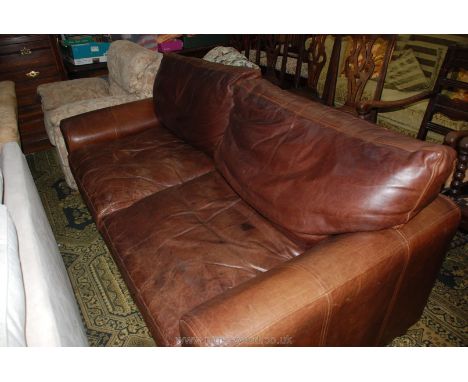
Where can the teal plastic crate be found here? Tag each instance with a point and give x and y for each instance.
(76, 39)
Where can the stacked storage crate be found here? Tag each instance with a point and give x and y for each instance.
(84, 49)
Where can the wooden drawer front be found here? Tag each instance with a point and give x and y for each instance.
(30, 87)
(32, 126)
(9, 39)
(15, 62)
(34, 137)
(29, 113)
(24, 50)
(44, 77)
(21, 77)
(26, 92)
(27, 99)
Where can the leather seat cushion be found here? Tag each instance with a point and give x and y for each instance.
(119, 173)
(315, 170)
(193, 98)
(185, 245)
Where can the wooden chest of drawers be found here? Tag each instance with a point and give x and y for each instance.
(30, 60)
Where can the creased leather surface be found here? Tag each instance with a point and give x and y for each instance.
(359, 289)
(109, 124)
(188, 244)
(427, 236)
(184, 245)
(113, 176)
(193, 98)
(317, 171)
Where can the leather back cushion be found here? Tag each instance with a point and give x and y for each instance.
(315, 170)
(193, 98)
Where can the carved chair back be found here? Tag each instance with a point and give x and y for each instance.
(271, 54)
(359, 66)
(313, 52)
(369, 56)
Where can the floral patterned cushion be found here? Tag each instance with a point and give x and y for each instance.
(55, 94)
(115, 89)
(229, 56)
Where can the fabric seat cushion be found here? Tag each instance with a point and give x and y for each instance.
(119, 173)
(202, 240)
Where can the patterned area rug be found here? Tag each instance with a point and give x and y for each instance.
(112, 319)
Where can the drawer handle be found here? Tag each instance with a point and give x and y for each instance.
(32, 74)
(25, 51)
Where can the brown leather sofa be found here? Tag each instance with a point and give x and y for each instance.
(239, 214)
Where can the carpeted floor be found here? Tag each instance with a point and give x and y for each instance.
(112, 319)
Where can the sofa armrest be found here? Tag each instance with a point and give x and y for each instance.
(354, 289)
(108, 124)
(363, 108)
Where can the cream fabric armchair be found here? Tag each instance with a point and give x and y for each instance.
(132, 70)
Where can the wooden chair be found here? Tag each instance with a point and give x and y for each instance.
(359, 68)
(458, 189)
(274, 47)
(456, 109)
(273, 54)
(358, 74)
(312, 51)
(455, 60)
